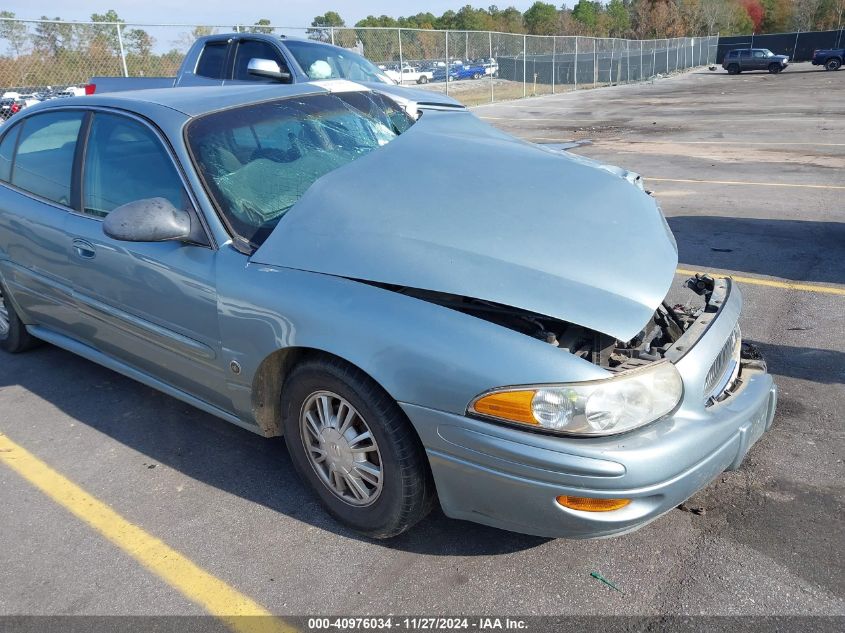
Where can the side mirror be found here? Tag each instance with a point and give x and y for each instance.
(148, 220)
(266, 68)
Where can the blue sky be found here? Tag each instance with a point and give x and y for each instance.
(282, 12)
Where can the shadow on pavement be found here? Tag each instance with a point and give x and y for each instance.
(824, 366)
(796, 250)
(218, 453)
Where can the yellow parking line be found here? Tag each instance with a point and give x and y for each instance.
(788, 285)
(744, 182)
(196, 584)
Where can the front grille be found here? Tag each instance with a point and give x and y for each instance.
(722, 371)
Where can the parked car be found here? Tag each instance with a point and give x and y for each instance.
(740, 60)
(29, 99)
(830, 58)
(9, 106)
(460, 71)
(254, 253)
(410, 74)
(72, 91)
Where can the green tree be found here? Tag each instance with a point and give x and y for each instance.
(541, 19)
(469, 19)
(104, 36)
(52, 38)
(383, 20)
(587, 13)
(618, 19)
(261, 26)
(329, 18)
(324, 25)
(509, 20)
(14, 33)
(449, 20)
(139, 42)
(418, 21)
(777, 15)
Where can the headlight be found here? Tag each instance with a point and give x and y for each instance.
(599, 407)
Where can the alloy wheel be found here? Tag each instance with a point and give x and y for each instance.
(4, 316)
(341, 448)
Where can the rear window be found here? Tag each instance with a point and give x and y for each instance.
(43, 163)
(212, 60)
(258, 160)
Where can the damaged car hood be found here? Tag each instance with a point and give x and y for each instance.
(455, 206)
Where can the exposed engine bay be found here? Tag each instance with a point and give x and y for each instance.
(666, 326)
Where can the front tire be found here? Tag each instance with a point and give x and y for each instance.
(13, 335)
(833, 64)
(774, 69)
(353, 445)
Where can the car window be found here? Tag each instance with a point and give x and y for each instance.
(258, 160)
(212, 60)
(7, 152)
(251, 49)
(125, 161)
(44, 160)
(745, 54)
(760, 54)
(320, 61)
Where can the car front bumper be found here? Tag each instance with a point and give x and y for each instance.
(510, 478)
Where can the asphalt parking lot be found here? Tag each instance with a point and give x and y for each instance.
(750, 171)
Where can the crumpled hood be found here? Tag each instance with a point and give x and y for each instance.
(455, 206)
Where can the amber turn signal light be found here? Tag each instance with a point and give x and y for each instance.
(589, 504)
(507, 405)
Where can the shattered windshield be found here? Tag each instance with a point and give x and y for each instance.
(258, 160)
(320, 61)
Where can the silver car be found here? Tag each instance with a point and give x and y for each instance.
(265, 254)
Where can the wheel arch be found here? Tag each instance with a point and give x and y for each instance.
(269, 380)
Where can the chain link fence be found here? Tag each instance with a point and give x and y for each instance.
(43, 56)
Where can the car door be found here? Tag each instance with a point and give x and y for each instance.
(36, 192)
(150, 305)
(246, 49)
(759, 59)
(745, 61)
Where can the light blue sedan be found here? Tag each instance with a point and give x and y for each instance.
(265, 253)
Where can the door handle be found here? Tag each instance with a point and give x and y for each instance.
(84, 249)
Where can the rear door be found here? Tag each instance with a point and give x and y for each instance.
(36, 192)
(152, 306)
(745, 61)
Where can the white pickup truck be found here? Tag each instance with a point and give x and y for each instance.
(410, 74)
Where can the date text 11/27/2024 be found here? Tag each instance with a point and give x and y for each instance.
(416, 624)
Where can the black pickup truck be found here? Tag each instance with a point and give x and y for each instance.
(830, 58)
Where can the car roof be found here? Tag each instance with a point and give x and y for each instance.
(195, 101)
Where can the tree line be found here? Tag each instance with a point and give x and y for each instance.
(635, 19)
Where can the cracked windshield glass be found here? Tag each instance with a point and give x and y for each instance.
(257, 161)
